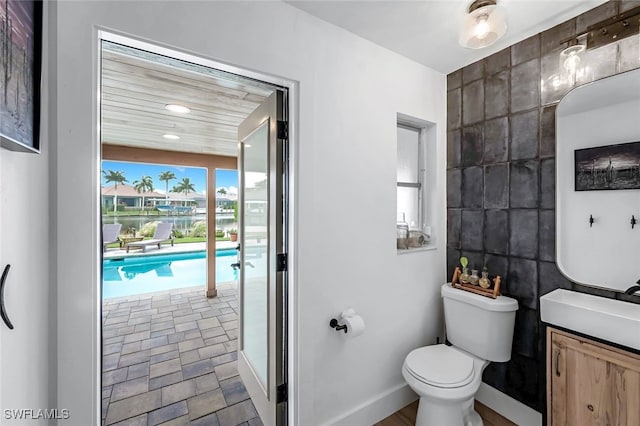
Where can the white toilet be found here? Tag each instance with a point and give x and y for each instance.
(447, 377)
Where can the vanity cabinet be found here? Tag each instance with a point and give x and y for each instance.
(590, 383)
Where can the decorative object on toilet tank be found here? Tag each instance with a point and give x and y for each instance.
(484, 281)
(464, 276)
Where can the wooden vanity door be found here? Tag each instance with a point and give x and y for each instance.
(589, 383)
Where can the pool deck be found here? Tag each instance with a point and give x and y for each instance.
(167, 249)
(170, 358)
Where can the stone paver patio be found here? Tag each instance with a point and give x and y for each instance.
(170, 358)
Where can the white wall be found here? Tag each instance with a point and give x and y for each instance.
(25, 245)
(602, 113)
(350, 92)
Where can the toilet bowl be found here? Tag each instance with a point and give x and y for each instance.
(447, 378)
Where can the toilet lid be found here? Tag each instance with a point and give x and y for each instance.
(441, 366)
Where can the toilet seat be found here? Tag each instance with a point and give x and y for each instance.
(440, 366)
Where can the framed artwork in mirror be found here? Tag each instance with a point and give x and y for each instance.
(608, 167)
(20, 74)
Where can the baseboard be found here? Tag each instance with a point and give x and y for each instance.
(508, 407)
(376, 409)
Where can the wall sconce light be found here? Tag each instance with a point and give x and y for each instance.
(484, 23)
(571, 60)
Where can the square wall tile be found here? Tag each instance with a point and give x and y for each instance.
(599, 63)
(553, 87)
(628, 5)
(548, 132)
(523, 281)
(525, 50)
(524, 135)
(472, 187)
(473, 102)
(496, 231)
(525, 86)
(525, 334)
(523, 184)
(454, 222)
(496, 100)
(629, 49)
(523, 233)
(454, 80)
(550, 39)
(454, 109)
(547, 232)
(453, 257)
(595, 15)
(472, 72)
(496, 140)
(498, 61)
(548, 183)
(497, 265)
(476, 259)
(496, 186)
(454, 148)
(551, 278)
(472, 228)
(454, 188)
(472, 145)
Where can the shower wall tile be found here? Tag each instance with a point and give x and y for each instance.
(525, 85)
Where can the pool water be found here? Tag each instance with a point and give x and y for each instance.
(143, 274)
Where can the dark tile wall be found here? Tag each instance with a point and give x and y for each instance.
(501, 180)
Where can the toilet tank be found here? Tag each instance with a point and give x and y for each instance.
(479, 325)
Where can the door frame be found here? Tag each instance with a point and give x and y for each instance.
(101, 33)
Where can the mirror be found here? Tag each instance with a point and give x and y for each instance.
(598, 177)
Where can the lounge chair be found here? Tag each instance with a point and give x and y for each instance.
(162, 235)
(110, 232)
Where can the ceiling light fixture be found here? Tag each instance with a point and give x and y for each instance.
(180, 109)
(170, 136)
(483, 24)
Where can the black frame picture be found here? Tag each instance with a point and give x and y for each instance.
(609, 167)
(20, 74)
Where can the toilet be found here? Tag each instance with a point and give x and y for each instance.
(446, 378)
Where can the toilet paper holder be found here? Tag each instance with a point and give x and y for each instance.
(334, 324)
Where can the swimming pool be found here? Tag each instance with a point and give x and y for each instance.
(144, 274)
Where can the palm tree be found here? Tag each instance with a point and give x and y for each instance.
(166, 177)
(185, 187)
(145, 184)
(222, 191)
(117, 178)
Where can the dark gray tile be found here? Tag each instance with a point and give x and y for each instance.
(550, 39)
(522, 378)
(496, 140)
(472, 145)
(454, 188)
(548, 132)
(525, 50)
(525, 333)
(498, 61)
(454, 218)
(454, 148)
(234, 390)
(629, 57)
(473, 102)
(167, 413)
(129, 388)
(453, 256)
(224, 359)
(523, 233)
(496, 231)
(454, 109)
(454, 80)
(166, 380)
(472, 72)
(472, 229)
(524, 135)
(497, 265)
(206, 383)
(548, 183)
(553, 87)
(110, 362)
(525, 86)
(134, 406)
(114, 376)
(628, 5)
(596, 15)
(472, 187)
(496, 101)
(547, 235)
(523, 184)
(523, 281)
(496, 186)
(178, 392)
(197, 369)
(602, 63)
(138, 370)
(163, 368)
(551, 278)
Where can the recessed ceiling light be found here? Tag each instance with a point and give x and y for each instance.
(180, 109)
(170, 136)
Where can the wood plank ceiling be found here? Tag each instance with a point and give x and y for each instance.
(136, 86)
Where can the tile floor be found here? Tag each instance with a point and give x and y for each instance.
(170, 358)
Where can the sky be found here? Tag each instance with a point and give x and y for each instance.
(227, 179)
